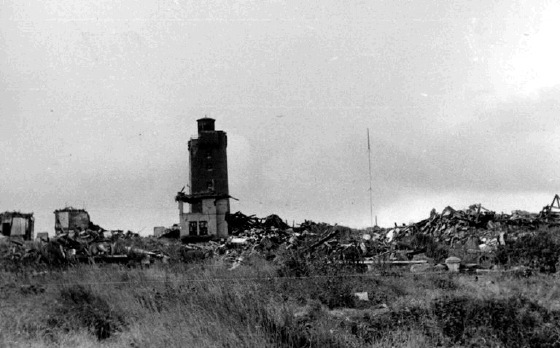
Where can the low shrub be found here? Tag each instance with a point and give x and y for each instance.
(513, 322)
(323, 279)
(414, 318)
(79, 308)
(242, 307)
(466, 321)
(444, 282)
(334, 293)
(539, 251)
(294, 264)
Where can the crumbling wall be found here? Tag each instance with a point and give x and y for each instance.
(70, 219)
(15, 224)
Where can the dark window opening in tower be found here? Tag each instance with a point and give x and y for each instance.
(209, 167)
(203, 227)
(210, 185)
(208, 155)
(193, 228)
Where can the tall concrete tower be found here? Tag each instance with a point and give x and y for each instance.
(209, 194)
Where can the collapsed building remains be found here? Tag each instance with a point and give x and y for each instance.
(455, 227)
(70, 219)
(551, 213)
(474, 234)
(85, 246)
(450, 240)
(16, 224)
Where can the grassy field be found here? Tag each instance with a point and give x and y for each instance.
(260, 304)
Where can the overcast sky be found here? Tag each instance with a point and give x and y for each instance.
(99, 98)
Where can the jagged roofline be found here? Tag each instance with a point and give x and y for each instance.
(70, 209)
(17, 214)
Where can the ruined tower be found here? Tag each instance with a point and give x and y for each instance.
(208, 198)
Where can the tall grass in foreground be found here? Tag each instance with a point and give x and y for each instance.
(208, 305)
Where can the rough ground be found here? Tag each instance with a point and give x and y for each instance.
(262, 304)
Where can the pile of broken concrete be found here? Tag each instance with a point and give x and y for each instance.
(475, 227)
(80, 246)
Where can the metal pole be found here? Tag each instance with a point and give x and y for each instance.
(370, 188)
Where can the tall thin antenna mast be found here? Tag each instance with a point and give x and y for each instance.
(189, 181)
(370, 188)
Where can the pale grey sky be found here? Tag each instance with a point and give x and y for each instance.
(98, 101)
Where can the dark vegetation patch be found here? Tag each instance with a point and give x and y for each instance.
(447, 321)
(379, 326)
(240, 307)
(444, 282)
(513, 322)
(335, 284)
(31, 289)
(259, 304)
(78, 308)
(464, 321)
(151, 299)
(539, 251)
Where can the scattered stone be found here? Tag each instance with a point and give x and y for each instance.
(362, 296)
(453, 263)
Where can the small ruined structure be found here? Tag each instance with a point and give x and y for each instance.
(16, 224)
(551, 212)
(208, 199)
(70, 219)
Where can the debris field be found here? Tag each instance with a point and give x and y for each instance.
(439, 242)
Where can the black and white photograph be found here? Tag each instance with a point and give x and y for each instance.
(279, 173)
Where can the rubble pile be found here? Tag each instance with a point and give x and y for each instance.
(474, 230)
(85, 246)
(273, 238)
(453, 227)
(481, 228)
(174, 232)
(239, 222)
(551, 213)
(268, 243)
(78, 239)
